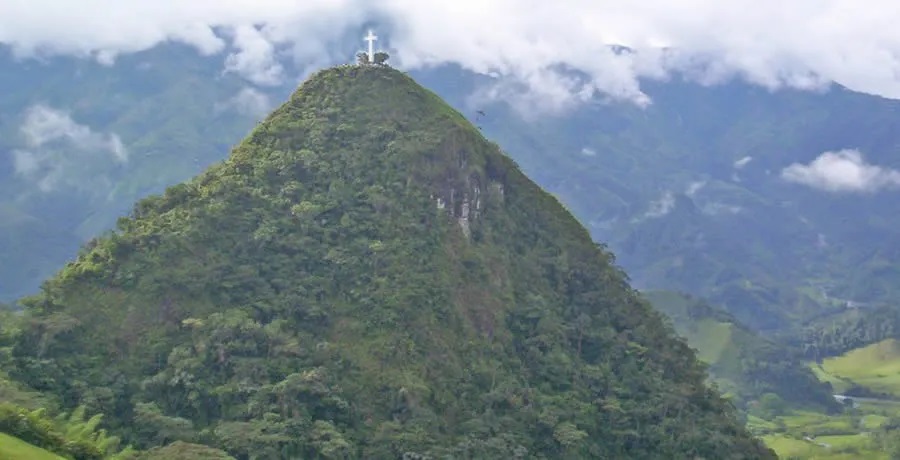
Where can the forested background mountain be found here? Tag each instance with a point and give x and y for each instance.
(687, 192)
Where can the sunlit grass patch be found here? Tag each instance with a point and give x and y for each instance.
(15, 449)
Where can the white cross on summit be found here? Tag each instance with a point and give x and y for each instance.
(371, 39)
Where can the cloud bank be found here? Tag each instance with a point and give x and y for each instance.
(842, 171)
(61, 152)
(558, 52)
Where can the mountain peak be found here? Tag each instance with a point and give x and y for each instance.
(367, 277)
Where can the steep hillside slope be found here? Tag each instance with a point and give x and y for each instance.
(367, 277)
(689, 192)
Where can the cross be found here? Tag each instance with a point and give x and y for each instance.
(371, 39)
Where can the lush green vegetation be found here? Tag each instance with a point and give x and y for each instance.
(866, 427)
(68, 435)
(873, 370)
(73, 437)
(786, 273)
(180, 450)
(834, 335)
(367, 277)
(743, 364)
(15, 449)
(862, 427)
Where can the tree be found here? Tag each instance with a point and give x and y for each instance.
(381, 58)
(770, 406)
(362, 58)
(155, 428)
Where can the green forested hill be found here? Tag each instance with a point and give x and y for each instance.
(367, 277)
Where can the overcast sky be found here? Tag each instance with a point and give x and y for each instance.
(800, 43)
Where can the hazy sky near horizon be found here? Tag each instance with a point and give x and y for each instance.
(773, 43)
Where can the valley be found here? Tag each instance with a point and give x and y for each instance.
(865, 427)
(845, 407)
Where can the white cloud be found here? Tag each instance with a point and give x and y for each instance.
(44, 124)
(661, 207)
(666, 202)
(59, 151)
(255, 59)
(842, 171)
(588, 152)
(694, 187)
(739, 164)
(802, 43)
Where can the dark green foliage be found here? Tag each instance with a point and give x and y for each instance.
(11, 392)
(180, 450)
(855, 328)
(381, 58)
(887, 438)
(71, 436)
(367, 277)
(769, 406)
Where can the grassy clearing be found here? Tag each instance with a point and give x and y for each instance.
(787, 447)
(834, 447)
(814, 424)
(876, 366)
(872, 421)
(15, 449)
(844, 441)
